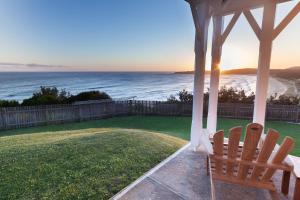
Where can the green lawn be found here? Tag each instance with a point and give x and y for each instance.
(95, 159)
(78, 164)
(175, 126)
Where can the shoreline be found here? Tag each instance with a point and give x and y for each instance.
(144, 86)
(293, 86)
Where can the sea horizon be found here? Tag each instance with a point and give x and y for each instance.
(137, 85)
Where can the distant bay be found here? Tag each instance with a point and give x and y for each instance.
(142, 86)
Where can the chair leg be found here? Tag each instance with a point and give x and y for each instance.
(297, 189)
(207, 166)
(285, 184)
(274, 195)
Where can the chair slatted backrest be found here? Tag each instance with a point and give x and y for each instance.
(233, 147)
(285, 148)
(247, 161)
(253, 134)
(265, 152)
(218, 150)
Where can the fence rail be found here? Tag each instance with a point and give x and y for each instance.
(17, 117)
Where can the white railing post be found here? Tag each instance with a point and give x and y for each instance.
(201, 17)
(218, 22)
(265, 50)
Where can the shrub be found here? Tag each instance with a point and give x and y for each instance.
(172, 99)
(232, 95)
(47, 96)
(284, 100)
(226, 95)
(51, 95)
(185, 96)
(9, 103)
(90, 95)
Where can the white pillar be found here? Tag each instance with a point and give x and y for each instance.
(265, 51)
(201, 19)
(218, 22)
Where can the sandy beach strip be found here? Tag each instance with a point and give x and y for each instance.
(293, 86)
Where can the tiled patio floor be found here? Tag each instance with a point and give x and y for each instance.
(183, 176)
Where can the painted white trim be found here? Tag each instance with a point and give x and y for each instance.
(149, 173)
(201, 16)
(216, 53)
(263, 70)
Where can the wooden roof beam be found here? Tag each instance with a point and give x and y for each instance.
(232, 6)
(255, 27)
(283, 24)
(230, 26)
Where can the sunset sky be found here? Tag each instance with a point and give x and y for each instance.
(123, 35)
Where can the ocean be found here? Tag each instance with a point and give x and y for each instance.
(141, 86)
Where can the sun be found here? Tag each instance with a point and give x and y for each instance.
(224, 68)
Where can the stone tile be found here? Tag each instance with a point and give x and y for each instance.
(184, 177)
(186, 174)
(149, 189)
(227, 191)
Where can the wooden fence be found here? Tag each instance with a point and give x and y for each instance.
(226, 110)
(27, 116)
(16, 117)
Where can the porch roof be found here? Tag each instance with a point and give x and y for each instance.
(226, 7)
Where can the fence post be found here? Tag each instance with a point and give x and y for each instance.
(3, 116)
(129, 107)
(236, 110)
(297, 114)
(79, 112)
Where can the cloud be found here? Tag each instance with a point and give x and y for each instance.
(31, 65)
(14, 64)
(8, 67)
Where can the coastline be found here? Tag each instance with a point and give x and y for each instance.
(293, 86)
(144, 86)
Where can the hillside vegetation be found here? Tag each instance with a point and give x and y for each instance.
(288, 73)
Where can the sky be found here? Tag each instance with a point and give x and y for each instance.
(124, 35)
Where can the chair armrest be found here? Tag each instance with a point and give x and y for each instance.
(296, 162)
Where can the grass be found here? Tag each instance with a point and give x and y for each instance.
(175, 126)
(78, 164)
(95, 159)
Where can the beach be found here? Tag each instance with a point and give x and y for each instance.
(292, 86)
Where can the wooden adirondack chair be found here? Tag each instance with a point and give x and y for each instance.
(246, 164)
